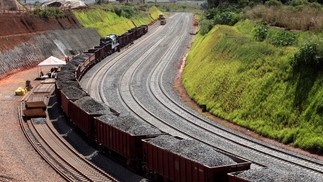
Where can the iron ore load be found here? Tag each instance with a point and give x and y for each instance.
(135, 143)
(122, 135)
(177, 159)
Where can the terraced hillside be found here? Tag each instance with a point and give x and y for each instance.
(29, 39)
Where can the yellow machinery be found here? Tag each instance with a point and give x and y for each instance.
(21, 91)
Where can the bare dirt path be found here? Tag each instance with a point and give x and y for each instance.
(18, 160)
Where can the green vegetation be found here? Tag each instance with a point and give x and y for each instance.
(274, 36)
(49, 13)
(116, 19)
(222, 15)
(307, 17)
(105, 22)
(193, 7)
(242, 75)
(154, 12)
(309, 55)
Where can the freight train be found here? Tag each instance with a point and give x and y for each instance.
(140, 146)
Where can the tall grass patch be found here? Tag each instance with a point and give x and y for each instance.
(253, 84)
(304, 17)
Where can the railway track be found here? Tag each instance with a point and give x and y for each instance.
(57, 152)
(177, 119)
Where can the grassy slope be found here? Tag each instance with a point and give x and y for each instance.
(154, 12)
(252, 84)
(104, 22)
(141, 19)
(107, 22)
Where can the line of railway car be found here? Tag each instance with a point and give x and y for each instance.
(139, 145)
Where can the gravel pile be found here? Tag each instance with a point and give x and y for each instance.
(70, 66)
(75, 62)
(65, 83)
(91, 106)
(131, 125)
(80, 57)
(106, 117)
(193, 150)
(73, 92)
(66, 75)
(271, 175)
(164, 141)
(260, 175)
(144, 130)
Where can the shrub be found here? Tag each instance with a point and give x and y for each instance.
(261, 32)
(49, 13)
(282, 38)
(128, 11)
(226, 18)
(310, 54)
(273, 3)
(117, 10)
(205, 26)
(298, 2)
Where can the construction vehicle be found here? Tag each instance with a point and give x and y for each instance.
(162, 19)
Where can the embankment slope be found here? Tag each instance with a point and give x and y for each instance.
(26, 40)
(253, 84)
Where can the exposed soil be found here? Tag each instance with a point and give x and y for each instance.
(10, 5)
(17, 24)
(18, 28)
(18, 160)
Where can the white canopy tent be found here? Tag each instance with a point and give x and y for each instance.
(52, 61)
(64, 3)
